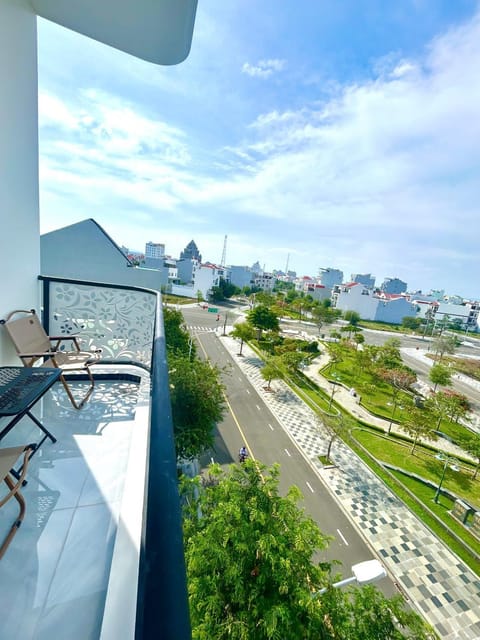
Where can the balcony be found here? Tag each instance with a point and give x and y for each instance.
(99, 554)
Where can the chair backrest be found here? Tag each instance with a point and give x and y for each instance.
(26, 332)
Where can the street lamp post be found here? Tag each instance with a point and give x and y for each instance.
(363, 573)
(447, 461)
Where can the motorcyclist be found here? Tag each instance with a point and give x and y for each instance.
(243, 454)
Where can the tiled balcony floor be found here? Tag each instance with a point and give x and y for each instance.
(55, 574)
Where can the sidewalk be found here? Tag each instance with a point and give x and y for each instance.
(442, 588)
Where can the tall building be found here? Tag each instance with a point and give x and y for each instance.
(364, 278)
(191, 251)
(393, 285)
(154, 250)
(330, 277)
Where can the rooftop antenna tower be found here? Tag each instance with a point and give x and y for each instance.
(224, 252)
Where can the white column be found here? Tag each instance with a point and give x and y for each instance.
(19, 203)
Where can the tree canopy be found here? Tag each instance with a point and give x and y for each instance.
(196, 393)
(242, 331)
(439, 374)
(197, 400)
(263, 319)
(251, 575)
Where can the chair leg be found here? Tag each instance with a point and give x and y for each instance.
(79, 405)
(15, 526)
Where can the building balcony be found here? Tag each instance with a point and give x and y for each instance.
(99, 553)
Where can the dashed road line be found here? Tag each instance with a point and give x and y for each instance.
(342, 536)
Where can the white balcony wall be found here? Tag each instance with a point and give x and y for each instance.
(19, 208)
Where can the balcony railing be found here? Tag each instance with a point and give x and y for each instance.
(127, 324)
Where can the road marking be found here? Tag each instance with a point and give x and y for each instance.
(342, 536)
(310, 487)
(270, 426)
(252, 457)
(240, 379)
(288, 453)
(259, 408)
(247, 390)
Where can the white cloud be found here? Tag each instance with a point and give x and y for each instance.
(382, 176)
(263, 68)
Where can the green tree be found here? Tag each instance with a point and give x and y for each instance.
(471, 444)
(444, 344)
(291, 360)
(419, 425)
(352, 317)
(411, 322)
(335, 426)
(243, 331)
(198, 404)
(363, 613)
(177, 338)
(441, 404)
(388, 355)
(400, 379)
(322, 313)
(251, 575)
(272, 370)
(439, 374)
(459, 405)
(263, 319)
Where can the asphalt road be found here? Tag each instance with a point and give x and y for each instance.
(249, 421)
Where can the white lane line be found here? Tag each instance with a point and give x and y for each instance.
(240, 379)
(259, 408)
(342, 536)
(247, 391)
(270, 426)
(310, 487)
(288, 453)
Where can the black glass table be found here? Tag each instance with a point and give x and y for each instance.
(20, 389)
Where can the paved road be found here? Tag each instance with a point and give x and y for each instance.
(249, 421)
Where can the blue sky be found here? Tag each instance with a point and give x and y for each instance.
(340, 133)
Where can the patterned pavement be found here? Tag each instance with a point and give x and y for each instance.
(443, 589)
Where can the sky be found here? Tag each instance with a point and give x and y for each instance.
(311, 133)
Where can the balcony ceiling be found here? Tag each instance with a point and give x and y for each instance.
(159, 31)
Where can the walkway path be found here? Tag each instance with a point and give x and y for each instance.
(351, 404)
(444, 590)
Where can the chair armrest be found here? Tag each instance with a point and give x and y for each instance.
(40, 354)
(72, 337)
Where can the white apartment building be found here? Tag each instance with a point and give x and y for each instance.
(372, 306)
(203, 278)
(154, 250)
(265, 281)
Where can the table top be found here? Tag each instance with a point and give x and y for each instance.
(21, 387)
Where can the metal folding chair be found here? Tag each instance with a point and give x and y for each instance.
(33, 344)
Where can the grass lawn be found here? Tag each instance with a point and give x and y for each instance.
(422, 463)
